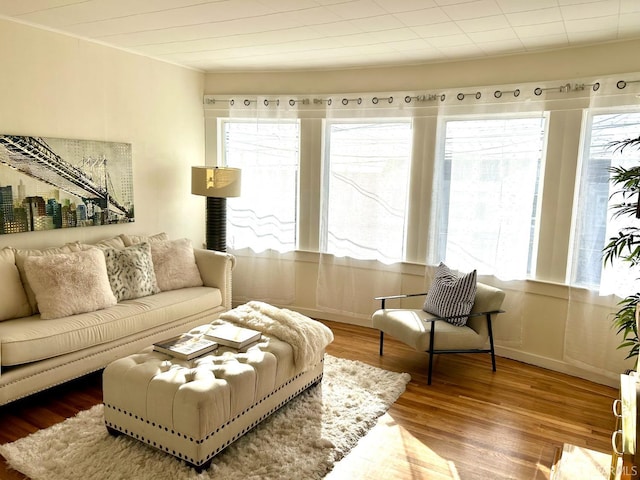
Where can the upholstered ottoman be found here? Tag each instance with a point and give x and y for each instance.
(194, 409)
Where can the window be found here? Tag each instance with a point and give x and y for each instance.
(593, 222)
(267, 152)
(366, 172)
(487, 195)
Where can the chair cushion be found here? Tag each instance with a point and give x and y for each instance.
(451, 295)
(408, 326)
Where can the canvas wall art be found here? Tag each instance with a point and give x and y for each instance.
(50, 183)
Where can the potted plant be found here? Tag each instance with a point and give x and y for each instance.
(626, 245)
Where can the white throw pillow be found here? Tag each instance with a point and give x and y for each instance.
(133, 239)
(175, 264)
(130, 271)
(22, 254)
(13, 301)
(68, 283)
(451, 295)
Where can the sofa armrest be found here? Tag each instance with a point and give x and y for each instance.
(215, 269)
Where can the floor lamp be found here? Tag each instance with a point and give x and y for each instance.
(217, 184)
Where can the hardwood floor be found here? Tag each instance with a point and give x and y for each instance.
(470, 423)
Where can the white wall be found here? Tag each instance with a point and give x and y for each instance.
(534, 328)
(58, 86)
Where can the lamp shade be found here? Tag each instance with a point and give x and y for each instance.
(219, 182)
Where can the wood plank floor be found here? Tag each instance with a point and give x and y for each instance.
(470, 423)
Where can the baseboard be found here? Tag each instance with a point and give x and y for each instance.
(556, 366)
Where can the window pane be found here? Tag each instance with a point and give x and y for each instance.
(264, 216)
(489, 185)
(594, 224)
(366, 199)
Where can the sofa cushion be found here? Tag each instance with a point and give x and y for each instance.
(13, 301)
(69, 283)
(133, 239)
(115, 242)
(31, 339)
(451, 295)
(23, 253)
(175, 264)
(130, 271)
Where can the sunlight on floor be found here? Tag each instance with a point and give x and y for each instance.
(372, 458)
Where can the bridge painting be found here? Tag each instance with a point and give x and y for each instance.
(50, 183)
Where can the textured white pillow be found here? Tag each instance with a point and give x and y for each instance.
(115, 242)
(175, 264)
(23, 254)
(450, 295)
(13, 301)
(130, 271)
(68, 283)
(133, 239)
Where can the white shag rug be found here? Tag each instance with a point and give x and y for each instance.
(301, 440)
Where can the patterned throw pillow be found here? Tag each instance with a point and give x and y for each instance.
(68, 283)
(451, 295)
(130, 271)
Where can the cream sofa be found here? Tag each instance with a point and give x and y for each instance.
(59, 319)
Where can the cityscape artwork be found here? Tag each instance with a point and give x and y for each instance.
(50, 183)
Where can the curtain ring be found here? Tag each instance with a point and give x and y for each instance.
(292, 102)
(232, 102)
(359, 101)
(538, 91)
(516, 92)
(407, 99)
(497, 94)
(596, 86)
(621, 84)
(478, 95)
(345, 101)
(247, 102)
(442, 97)
(390, 99)
(374, 100)
(460, 96)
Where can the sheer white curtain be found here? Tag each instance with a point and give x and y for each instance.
(595, 288)
(366, 172)
(262, 140)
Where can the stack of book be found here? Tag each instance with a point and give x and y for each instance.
(239, 338)
(186, 346)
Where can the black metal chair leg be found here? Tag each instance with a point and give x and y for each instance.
(431, 342)
(493, 353)
(381, 341)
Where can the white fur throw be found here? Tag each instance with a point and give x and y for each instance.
(307, 337)
(175, 264)
(68, 283)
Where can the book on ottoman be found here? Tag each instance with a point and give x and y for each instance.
(186, 346)
(233, 336)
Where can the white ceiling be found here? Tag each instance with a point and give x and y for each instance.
(241, 35)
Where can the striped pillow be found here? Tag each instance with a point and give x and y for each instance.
(451, 295)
